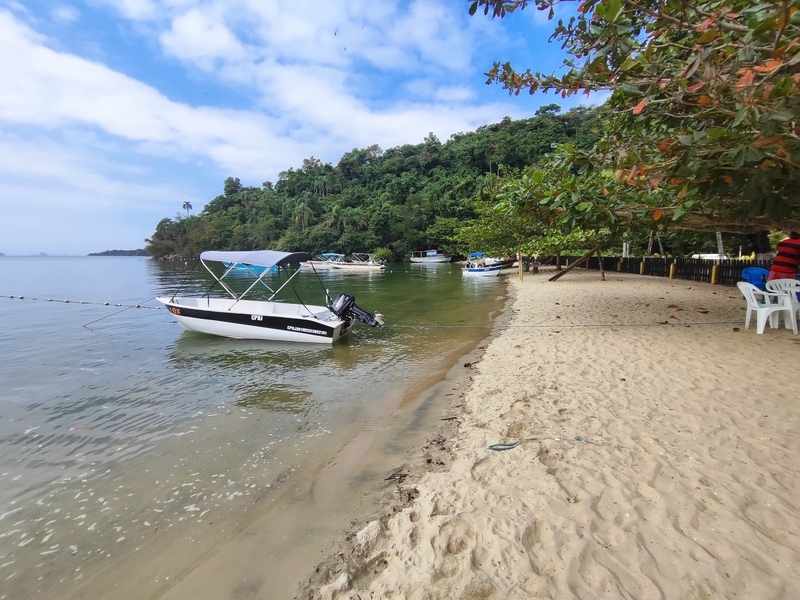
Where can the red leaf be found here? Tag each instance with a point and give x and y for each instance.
(695, 87)
(706, 24)
(746, 78)
(770, 66)
(639, 108)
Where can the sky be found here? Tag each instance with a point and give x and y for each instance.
(114, 113)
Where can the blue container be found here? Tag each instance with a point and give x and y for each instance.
(757, 276)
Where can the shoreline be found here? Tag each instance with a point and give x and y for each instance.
(272, 553)
(650, 453)
(433, 420)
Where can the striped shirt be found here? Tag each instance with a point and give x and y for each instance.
(787, 257)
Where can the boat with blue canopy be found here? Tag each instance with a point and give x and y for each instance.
(240, 318)
(476, 266)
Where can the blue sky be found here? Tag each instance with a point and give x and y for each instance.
(113, 113)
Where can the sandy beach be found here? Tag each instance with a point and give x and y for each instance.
(625, 438)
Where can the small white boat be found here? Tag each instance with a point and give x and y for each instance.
(477, 267)
(358, 262)
(235, 317)
(508, 261)
(322, 262)
(249, 269)
(429, 257)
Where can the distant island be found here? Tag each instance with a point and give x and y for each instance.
(139, 252)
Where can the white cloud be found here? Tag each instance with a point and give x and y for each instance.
(136, 9)
(201, 38)
(97, 139)
(64, 13)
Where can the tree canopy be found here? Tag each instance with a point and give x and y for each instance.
(700, 133)
(701, 127)
(411, 197)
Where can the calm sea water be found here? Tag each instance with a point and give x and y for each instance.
(123, 436)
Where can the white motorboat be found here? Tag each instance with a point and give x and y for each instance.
(358, 262)
(477, 267)
(249, 269)
(235, 317)
(508, 261)
(429, 257)
(322, 262)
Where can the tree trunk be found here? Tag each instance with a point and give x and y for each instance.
(761, 245)
(661, 246)
(650, 243)
(577, 263)
(720, 246)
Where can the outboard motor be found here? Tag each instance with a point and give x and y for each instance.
(344, 306)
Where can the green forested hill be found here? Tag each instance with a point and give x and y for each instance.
(411, 197)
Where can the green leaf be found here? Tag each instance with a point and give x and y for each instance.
(740, 116)
(613, 8)
(716, 133)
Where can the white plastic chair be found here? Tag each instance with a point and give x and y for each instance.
(767, 306)
(787, 286)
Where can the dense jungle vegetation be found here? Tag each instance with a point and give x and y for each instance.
(413, 197)
(700, 137)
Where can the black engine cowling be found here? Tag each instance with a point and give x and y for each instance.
(344, 306)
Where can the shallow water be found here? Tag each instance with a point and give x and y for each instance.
(126, 441)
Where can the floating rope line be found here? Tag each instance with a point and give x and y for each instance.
(85, 302)
(391, 326)
(561, 326)
(511, 445)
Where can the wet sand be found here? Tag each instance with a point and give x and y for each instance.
(275, 550)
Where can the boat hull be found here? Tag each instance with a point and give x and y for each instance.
(431, 261)
(429, 257)
(492, 271)
(354, 267)
(316, 265)
(256, 320)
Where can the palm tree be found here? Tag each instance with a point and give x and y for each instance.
(336, 216)
(302, 215)
(187, 206)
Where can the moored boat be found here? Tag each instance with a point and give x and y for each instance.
(508, 261)
(358, 261)
(429, 257)
(251, 269)
(477, 267)
(322, 262)
(240, 318)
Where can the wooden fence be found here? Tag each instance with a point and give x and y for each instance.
(722, 272)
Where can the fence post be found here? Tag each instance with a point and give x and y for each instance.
(714, 273)
(641, 266)
(619, 265)
(672, 271)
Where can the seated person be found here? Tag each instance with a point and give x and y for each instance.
(787, 258)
